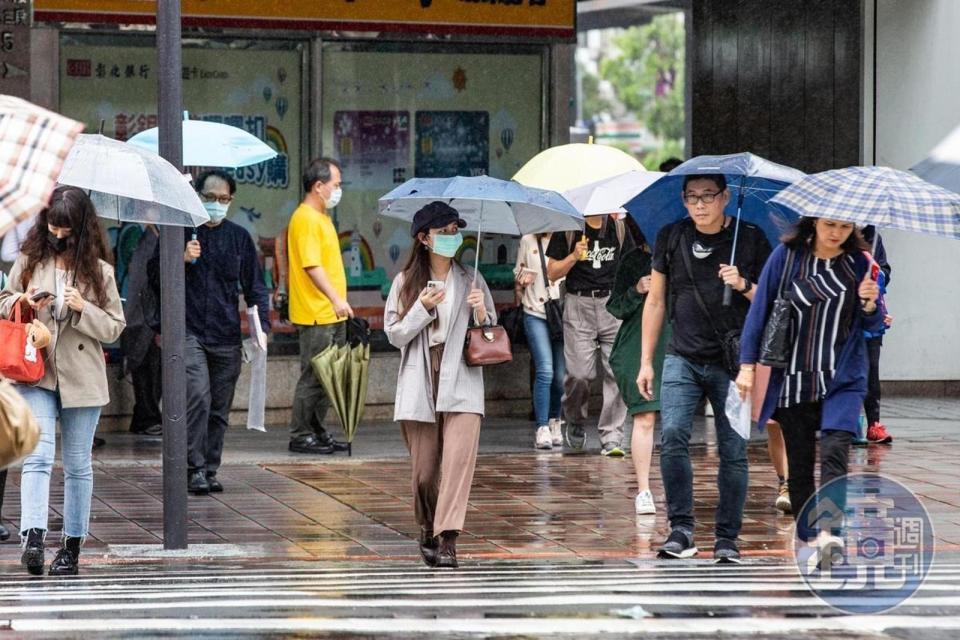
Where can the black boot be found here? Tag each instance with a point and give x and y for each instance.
(4, 534)
(447, 552)
(32, 557)
(68, 558)
(428, 547)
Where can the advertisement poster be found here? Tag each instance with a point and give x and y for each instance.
(374, 146)
(452, 143)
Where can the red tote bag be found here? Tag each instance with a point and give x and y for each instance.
(20, 361)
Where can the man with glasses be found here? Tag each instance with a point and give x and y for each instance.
(699, 246)
(220, 262)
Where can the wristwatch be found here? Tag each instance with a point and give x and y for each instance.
(747, 288)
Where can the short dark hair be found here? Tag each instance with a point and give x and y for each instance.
(319, 170)
(718, 179)
(670, 164)
(216, 173)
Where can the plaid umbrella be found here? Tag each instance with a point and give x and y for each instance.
(880, 196)
(33, 145)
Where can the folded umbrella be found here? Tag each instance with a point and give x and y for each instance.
(569, 166)
(33, 145)
(610, 194)
(211, 144)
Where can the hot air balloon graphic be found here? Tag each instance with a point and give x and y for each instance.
(506, 138)
(394, 253)
(282, 106)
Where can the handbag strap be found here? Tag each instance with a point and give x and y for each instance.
(787, 268)
(693, 284)
(543, 267)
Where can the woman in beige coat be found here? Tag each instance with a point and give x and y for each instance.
(72, 291)
(439, 398)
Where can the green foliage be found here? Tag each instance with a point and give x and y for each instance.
(648, 76)
(593, 103)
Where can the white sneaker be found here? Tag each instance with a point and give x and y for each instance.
(544, 439)
(556, 431)
(643, 503)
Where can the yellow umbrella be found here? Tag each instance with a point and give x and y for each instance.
(570, 166)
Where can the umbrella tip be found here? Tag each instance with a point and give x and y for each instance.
(589, 139)
(186, 115)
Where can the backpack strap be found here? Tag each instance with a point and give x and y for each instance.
(621, 231)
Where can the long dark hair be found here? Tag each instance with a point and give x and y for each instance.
(70, 208)
(416, 273)
(800, 237)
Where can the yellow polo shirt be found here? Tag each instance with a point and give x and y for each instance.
(312, 241)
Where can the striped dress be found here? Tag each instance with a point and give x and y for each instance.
(824, 298)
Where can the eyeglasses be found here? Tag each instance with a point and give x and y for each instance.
(706, 198)
(212, 197)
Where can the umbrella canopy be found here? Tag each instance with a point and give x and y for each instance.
(942, 166)
(573, 165)
(33, 145)
(880, 196)
(211, 144)
(129, 184)
(610, 194)
(751, 179)
(486, 204)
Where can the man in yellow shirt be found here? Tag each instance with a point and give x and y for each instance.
(318, 300)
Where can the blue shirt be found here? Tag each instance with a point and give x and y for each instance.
(228, 266)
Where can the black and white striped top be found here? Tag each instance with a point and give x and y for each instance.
(824, 297)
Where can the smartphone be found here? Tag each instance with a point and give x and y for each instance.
(40, 295)
(435, 284)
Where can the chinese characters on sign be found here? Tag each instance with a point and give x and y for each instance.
(15, 48)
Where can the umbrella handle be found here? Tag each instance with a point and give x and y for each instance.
(727, 295)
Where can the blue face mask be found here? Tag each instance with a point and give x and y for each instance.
(447, 246)
(216, 211)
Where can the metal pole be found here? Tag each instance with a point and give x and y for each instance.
(170, 117)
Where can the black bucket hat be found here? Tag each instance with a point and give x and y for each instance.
(435, 215)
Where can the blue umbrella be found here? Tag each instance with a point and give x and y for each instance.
(211, 144)
(486, 204)
(751, 179)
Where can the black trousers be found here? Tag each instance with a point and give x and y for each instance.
(871, 403)
(212, 374)
(3, 485)
(800, 425)
(147, 391)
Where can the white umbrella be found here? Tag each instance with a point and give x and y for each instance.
(610, 194)
(942, 166)
(130, 184)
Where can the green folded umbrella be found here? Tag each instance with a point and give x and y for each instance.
(344, 371)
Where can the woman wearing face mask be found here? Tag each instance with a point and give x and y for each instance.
(825, 274)
(63, 275)
(426, 317)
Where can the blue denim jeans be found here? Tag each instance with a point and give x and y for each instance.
(684, 383)
(77, 427)
(549, 368)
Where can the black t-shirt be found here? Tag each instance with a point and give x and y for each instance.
(599, 270)
(694, 334)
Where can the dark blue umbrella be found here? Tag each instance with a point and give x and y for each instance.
(751, 179)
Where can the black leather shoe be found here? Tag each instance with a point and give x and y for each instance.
(153, 430)
(327, 440)
(197, 483)
(68, 559)
(428, 547)
(32, 557)
(447, 552)
(214, 484)
(309, 444)
(4, 534)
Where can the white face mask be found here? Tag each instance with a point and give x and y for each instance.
(216, 211)
(334, 198)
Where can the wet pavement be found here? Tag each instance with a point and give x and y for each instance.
(325, 545)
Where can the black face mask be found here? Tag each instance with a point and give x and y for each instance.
(57, 245)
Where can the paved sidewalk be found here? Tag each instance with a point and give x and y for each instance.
(524, 504)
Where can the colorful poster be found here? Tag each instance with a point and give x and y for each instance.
(452, 143)
(373, 146)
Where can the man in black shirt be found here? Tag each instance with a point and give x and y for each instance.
(590, 267)
(694, 364)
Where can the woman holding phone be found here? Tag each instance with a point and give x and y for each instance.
(63, 275)
(427, 314)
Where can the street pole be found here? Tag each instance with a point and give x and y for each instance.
(170, 121)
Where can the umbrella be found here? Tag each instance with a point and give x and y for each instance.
(880, 196)
(609, 195)
(129, 184)
(751, 179)
(211, 144)
(942, 166)
(569, 166)
(33, 145)
(343, 370)
(486, 204)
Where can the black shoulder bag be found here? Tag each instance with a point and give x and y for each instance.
(729, 340)
(777, 340)
(552, 307)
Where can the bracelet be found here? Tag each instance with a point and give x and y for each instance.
(748, 367)
(747, 288)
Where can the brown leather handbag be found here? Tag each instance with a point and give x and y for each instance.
(486, 345)
(19, 432)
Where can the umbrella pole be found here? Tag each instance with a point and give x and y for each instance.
(476, 257)
(727, 289)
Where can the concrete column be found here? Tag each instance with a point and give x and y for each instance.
(45, 67)
(560, 92)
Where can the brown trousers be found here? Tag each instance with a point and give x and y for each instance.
(443, 456)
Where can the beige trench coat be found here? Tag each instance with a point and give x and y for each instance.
(74, 360)
(461, 387)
